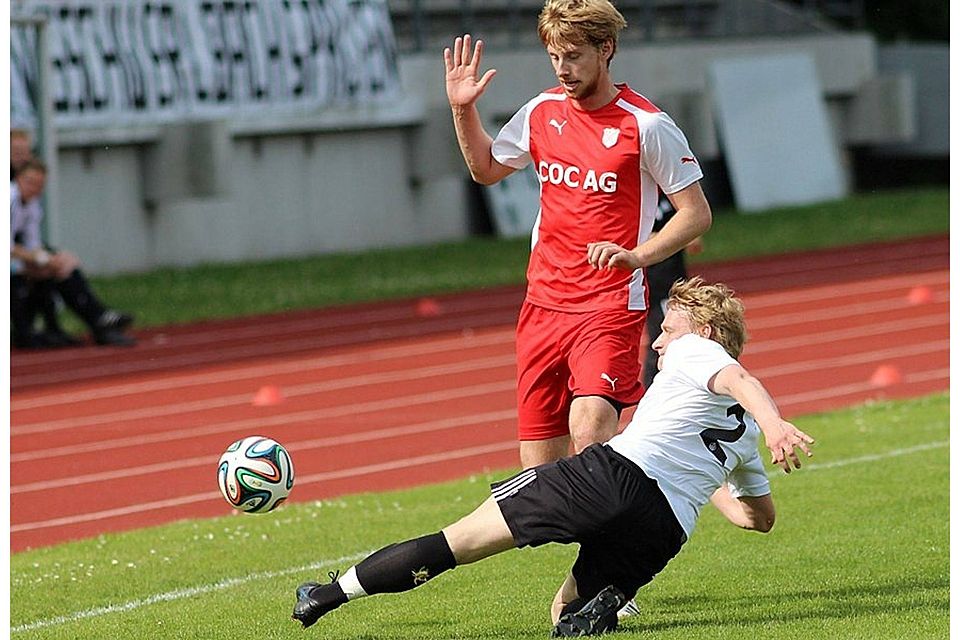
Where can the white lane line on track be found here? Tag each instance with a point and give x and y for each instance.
(310, 362)
(829, 312)
(160, 359)
(214, 496)
(858, 387)
(867, 331)
(186, 592)
(755, 303)
(826, 293)
(264, 422)
(173, 408)
(254, 423)
(865, 357)
(366, 319)
(297, 447)
(189, 592)
(289, 391)
(765, 373)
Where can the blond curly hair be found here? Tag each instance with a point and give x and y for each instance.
(713, 305)
(576, 22)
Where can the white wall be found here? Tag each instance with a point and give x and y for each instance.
(309, 183)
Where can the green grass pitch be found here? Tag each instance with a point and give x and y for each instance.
(860, 550)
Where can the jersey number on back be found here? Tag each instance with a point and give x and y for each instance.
(713, 437)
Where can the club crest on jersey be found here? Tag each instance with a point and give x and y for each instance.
(610, 136)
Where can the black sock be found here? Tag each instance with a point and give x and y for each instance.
(330, 596)
(405, 565)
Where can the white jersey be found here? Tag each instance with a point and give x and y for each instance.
(24, 219)
(689, 439)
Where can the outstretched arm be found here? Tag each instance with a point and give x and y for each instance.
(464, 88)
(782, 438)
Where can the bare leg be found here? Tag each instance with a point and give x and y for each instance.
(592, 419)
(480, 534)
(566, 595)
(537, 452)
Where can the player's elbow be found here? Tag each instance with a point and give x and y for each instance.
(483, 178)
(704, 219)
(759, 513)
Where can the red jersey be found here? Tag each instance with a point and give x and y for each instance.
(599, 172)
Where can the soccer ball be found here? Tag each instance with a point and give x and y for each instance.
(255, 474)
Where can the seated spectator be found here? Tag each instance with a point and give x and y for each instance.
(36, 272)
(39, 298)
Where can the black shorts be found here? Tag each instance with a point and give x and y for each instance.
(623, 522)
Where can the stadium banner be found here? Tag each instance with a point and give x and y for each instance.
(132, 62)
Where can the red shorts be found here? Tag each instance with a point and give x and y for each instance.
(561, 356)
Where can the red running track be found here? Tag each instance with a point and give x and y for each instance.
(396, 394)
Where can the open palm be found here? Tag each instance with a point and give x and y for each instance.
(464, 84)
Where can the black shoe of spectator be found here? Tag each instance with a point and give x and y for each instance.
(112, 319)
(113, 338)
(57, 339)
(28, 341)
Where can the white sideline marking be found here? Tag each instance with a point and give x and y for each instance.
(179, 594)
(873, 457)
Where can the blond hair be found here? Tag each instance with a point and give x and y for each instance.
(576, 22)
(714, 306)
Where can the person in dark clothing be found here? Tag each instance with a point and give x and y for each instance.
(36, 273)
(660, 277)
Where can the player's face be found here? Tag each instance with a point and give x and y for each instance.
(579, 68)
(675, 324)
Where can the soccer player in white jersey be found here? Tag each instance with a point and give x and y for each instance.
(600, 150)
(630, 503)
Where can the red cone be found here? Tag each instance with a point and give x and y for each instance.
(920, 294)
(886, 375)
(427, 308)
(267, 396)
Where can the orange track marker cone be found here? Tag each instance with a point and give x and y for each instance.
(427, 308)
(886, 375)
(920, 294)
(267, 396)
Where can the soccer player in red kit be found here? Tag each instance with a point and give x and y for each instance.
(601, 151)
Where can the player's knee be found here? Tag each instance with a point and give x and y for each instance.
(587, 432)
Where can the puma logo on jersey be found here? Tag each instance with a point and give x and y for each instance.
(686, 159)
(558, 125)
(612, 381)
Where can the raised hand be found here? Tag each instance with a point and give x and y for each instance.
(783, 447)
(464, 83)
